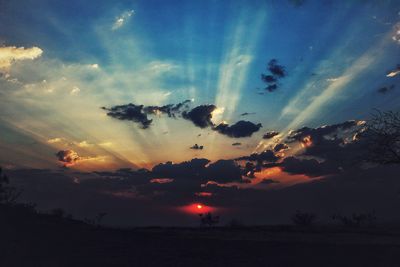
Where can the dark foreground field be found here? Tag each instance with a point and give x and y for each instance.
(58, 242)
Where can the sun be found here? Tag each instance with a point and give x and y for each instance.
(199, 206)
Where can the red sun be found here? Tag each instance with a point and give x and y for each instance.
(197, 208)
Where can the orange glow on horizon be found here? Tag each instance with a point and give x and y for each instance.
(197, 208)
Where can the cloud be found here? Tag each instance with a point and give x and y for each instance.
(247, 113)
(269, 181)
(201, 115)
(269, 135)
(197, 147)
(94, 66)
(323, 132)
(55, 140)
(333, 79)
(130, 112)
(309, 167)
(122, 19)
(84, 144)
(276, 69)
(280, 147)
(276, 72)
(224, 171)
(396, 35)
(272, 87)
(171, 110)
(138, 113)
(386, 89)
(11, 54)
(268, 78)
(203, 194)
(68, 157)
(161, 180)
(393, 72)
(239, 129)
(75, 90)
(363, 190)
(192, 170)
(265, 156)
(340, 143)
(199, 171)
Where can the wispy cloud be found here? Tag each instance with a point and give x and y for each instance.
(122, 19)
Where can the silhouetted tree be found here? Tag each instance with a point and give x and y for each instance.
(383, 137)
(208, 219)
(8, 194)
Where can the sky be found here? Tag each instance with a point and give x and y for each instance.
(144, 109)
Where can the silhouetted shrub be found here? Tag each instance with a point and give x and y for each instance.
(304, 218)
(356, 219)
(99, 217)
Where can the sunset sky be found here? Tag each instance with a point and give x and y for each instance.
(143, 109)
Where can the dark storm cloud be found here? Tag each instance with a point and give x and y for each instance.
(309, 167)
(341, 143)
(139, 113)
(280, 147)
(266, 156)
(122, 179)
(196, 147)
(199, 171)
(323, 132)
(130, 112)
(224, 171)
(346, 192)
(271, 88)
(193, 169)
(200, 115)
(276, 69)
(171, 110)
(250, 168)
(68, 157)
(276, 72)
(239, 129)
(386, 89)
(268, 78)
(269, 135)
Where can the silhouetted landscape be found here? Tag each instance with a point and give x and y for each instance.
(30, 239)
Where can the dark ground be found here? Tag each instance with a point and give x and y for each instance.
(51, 241)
